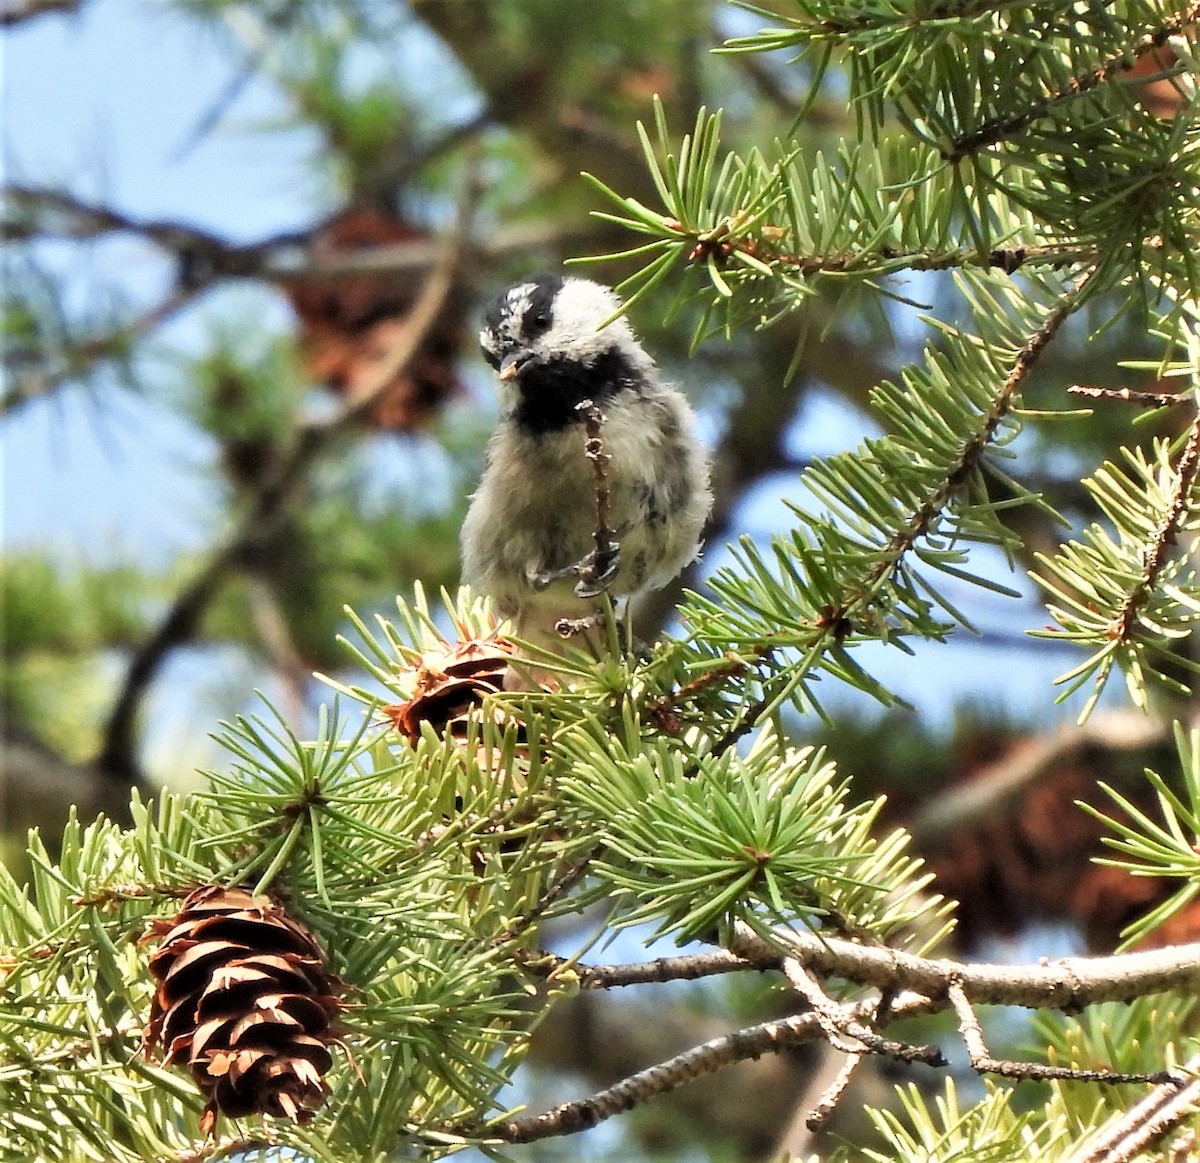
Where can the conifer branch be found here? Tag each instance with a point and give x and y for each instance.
(920, 522)
(554, 892)
(995, 130)
(836, 621)
(885, 259)
(1122, 628)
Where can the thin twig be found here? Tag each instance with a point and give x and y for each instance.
(844, 1031)
(982, 1061)
(557, 889)
(595, 569)
(279, 647)
(1130, 396)
(824, 1107)
(83, 219)
(1186, 471)
(888, 259)
(1151, 1118)
(995, 130)
(690, 967)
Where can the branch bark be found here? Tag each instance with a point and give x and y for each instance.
(913, 984)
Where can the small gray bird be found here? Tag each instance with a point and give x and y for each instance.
(529, 539)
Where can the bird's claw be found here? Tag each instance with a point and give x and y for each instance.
(597, 571)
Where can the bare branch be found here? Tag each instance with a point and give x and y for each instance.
(982, 1061)
(691, 967)
(1130, 396)
(1069, 983)
(1163, 1108)
(822, 1110)
(710, 1056)
(844, 1031)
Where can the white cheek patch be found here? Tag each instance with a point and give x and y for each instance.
(578, 307)
(517, 299)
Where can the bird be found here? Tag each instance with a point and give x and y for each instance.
(568, 360)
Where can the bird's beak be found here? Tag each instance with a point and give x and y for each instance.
(513, 362)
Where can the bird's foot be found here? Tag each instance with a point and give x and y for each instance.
(573, 627)
(597, 571)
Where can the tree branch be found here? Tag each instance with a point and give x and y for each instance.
(916, 985)
(1069, 983)
(206, 257)
(887, 259)
(1163, 1108)
(707, 1058)
(1165, 535)
(1131, 396)
(690, 967)
(982, 1062)
(994, 131)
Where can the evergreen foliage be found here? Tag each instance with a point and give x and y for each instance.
(1003, 142)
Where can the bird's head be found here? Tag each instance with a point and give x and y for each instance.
(547, 327)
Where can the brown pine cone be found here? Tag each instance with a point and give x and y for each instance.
(449, 683)
(244, 1000)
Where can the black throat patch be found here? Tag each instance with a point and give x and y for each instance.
(549, 392)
